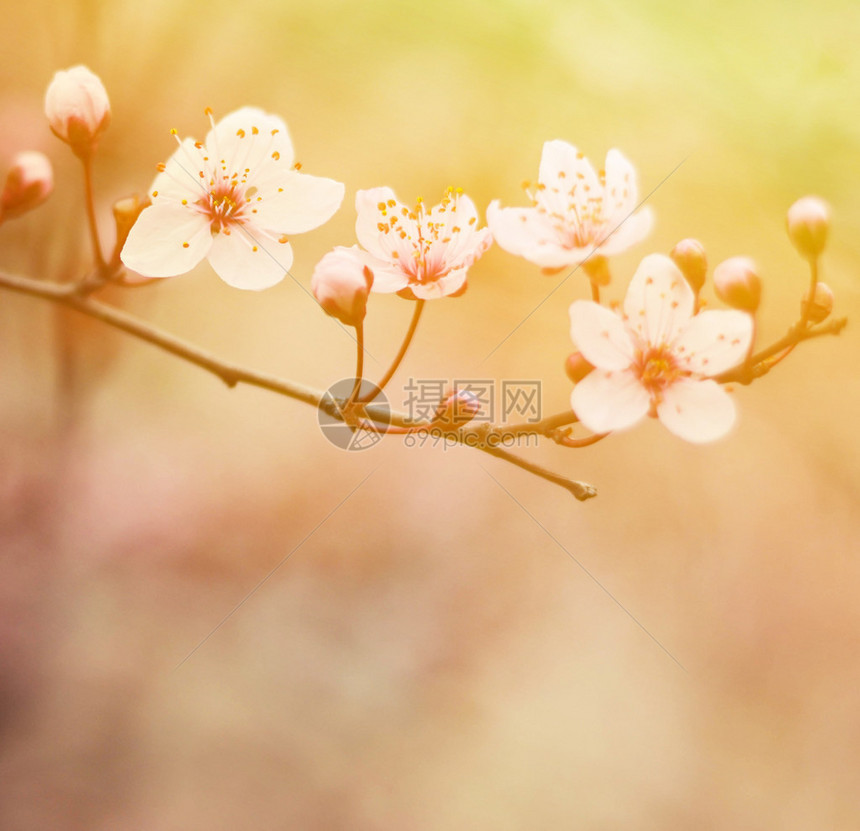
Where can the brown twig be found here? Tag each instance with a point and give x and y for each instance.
(758, 365)
(77, 297)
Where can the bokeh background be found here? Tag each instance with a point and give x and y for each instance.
(435, 639)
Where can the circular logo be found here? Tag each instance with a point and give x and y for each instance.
(330, 414)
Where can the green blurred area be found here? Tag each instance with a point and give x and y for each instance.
(432, 656)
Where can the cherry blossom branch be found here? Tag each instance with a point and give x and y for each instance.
(545, 426)
(76, 296)
(487, 438)
(581, 490)
(758, 366)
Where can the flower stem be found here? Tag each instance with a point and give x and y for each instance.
(567, 441)
(359, 362)
(813, 282)
(748, 361)
(413, 325)
(86, 161)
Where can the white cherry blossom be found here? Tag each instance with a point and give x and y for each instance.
(423, 253)
(655, 357)
(233, 199)
(576, 212)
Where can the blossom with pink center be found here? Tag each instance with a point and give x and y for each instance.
(655, 356)
(233, 199)
(424, 253)
(576, 212)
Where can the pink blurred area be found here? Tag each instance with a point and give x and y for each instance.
(212, 618)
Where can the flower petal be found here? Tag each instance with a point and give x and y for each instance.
(246, 259)
(369, 216)
(626, 230)
(714, 341)
(570, 190)
(180, 178)
(167, 239)
(601, 336)
(605, 401)
(526, 232)
(387, 278)
(249, 138)
(450, 283)
(697, 411)
(562, 166)
(621, 191)
(303, 203)
(659, 302)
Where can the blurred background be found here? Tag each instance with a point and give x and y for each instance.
(433, 639)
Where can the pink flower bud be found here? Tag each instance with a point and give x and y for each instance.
(78, 109)
(29, 182)
(738, 284)
(458, 408)
(689, 256)
(577, 367)
(822, 305)
(341, 282)
(808, 222)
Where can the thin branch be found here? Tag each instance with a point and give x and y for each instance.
(543, 427)
(795, 335)
(75, 297)
(581, 490)
(70, 295)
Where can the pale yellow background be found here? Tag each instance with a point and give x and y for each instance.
(434, 655)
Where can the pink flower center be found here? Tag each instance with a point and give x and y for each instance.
(223, 205)
(657, 369)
